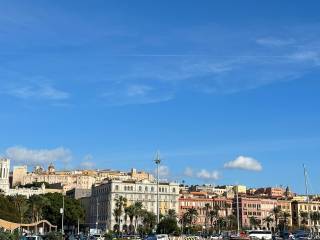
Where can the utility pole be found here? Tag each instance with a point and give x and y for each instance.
(97, 219)
(62, 214)
(78, 226)
(307, 190)
(158, 161)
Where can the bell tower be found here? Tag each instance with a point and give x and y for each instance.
(4, 174)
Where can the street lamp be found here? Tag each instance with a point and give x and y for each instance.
(62, 212)
(157, 160)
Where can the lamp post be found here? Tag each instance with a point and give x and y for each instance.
(97, 217)
(157, 160)
(62, 213)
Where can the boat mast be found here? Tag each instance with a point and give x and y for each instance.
(307, 190)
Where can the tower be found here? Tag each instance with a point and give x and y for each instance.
(4, 174)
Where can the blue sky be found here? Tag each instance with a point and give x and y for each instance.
(228, 91)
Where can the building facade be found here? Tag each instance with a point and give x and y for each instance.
(18, 174)
(4, 174)
(199, 200)
(80, 179)
(260, 209)
(302, 214)
(103, 199)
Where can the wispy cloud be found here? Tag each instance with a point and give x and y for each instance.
(20, 154)
(188, 172)
(87, 162)
(164, 171)
(205, 174)
(38, 91)
(135, 94)
(244, 163)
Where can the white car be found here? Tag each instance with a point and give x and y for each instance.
(260, 234)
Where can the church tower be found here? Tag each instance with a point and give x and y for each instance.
(4, 174)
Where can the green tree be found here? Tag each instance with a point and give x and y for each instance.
(214, 215)
(121, 204)
(276, 212)
(21, 204)
(130, 211)
(206, 208)
(254, 222)
(37, 204)
(268, 220)
(51, 211)
(8, 211)
(137, 213)
(305, 217)
(168, 225)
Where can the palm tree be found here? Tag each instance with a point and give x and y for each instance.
(149, 220)
(121, 204)
(254, 222)
(268, 220)
(192, 213)
(207, 207)
(305, 217)
(285, 216)
(172, 213)
(276, 211)
(315, 217)
(137, 212)
(232, 220)
(37, 203)
(130, 211)
(214, 215)
(21, 205)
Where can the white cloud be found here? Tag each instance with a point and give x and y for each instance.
(163, 171)
(205, 174)
(245, 163)
(87, 162)
(38, 156)
(38, 91)
(188, 172)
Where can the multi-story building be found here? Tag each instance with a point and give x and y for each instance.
(199, 200)
(19, 172)
(102, 201)
(4, 174)
(81, 179)
(260, 208)
(302, 212)
(27, 192)
(220, 191)
(78, 193)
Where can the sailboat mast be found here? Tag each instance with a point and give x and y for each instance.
(307, 190)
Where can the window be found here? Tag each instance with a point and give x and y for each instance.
(146, 189)
(140, 188)
(173, 190)
(117, 187)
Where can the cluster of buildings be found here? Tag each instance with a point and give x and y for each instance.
(97, 190)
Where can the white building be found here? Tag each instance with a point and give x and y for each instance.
(4, 174)
(104, 195)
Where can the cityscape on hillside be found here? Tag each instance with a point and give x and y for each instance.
(98, 190)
